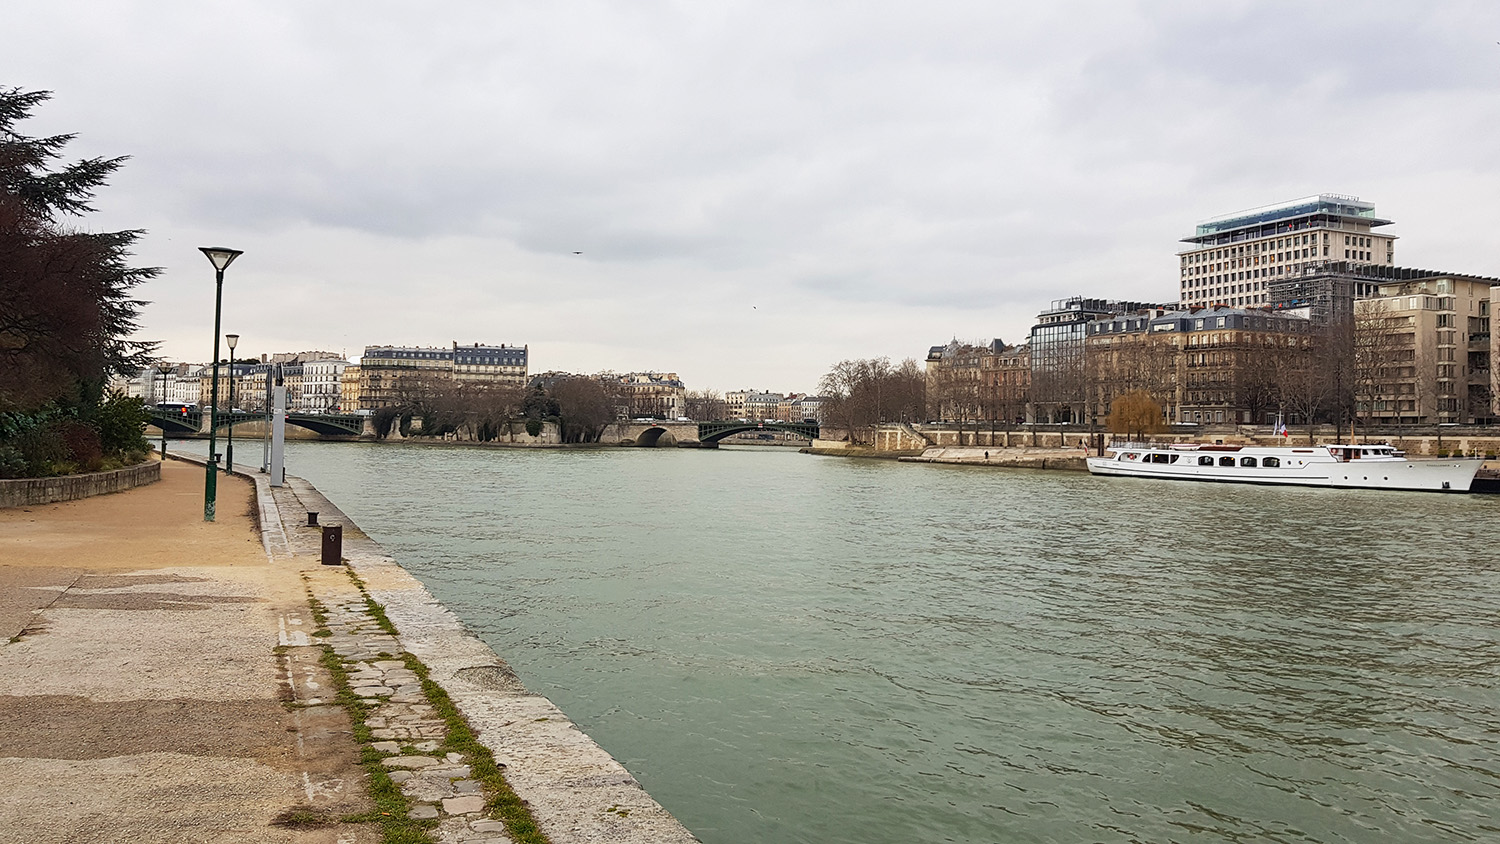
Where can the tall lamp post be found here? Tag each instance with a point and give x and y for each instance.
(221, 258)
(233, 340)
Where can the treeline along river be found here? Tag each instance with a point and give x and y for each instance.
(786, 648)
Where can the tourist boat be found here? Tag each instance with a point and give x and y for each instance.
(1352, 466)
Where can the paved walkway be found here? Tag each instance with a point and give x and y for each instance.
(164, 680)
(143, 692)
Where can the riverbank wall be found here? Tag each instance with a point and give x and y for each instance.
(576, 791)
(1006, 458)
(25, 492)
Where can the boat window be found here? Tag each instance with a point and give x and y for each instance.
(1205, 460)
(1226, 461)
(1248, 462)
(1271, 462)
(1130, 455)
(1159, 458)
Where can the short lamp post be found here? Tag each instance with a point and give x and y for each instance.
(233, 340)
(161, 407)
(221, 258)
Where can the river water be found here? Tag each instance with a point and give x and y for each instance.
(786, 648)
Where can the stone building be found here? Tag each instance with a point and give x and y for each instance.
(395, 375)
(322, 387)
(658, 395)
(1423, 350)
(1202, 365)
(973, 383)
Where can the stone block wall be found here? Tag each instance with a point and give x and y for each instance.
(22, 492)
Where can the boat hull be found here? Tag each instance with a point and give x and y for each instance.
(1416, 476)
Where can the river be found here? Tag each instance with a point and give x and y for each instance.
(787, 648)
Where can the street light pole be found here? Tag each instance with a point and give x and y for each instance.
(221, 258)
(161, 407)
(233, 340)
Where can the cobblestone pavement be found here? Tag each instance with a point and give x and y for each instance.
(576, 792)
(407, 728)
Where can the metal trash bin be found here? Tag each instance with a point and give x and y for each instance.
(333, 545)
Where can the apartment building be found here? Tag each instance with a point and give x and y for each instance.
(1234, 259)
(967, 382)
(392, 375)
(1204, 365)
(322, 388)
(659, 395)
(1423, 351)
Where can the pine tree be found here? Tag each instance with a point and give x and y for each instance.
(66, 313)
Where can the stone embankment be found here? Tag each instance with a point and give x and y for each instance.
(1009, 458)
(574, 789)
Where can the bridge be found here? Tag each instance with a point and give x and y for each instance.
(713, 432)
(695, 434)
(196, 421)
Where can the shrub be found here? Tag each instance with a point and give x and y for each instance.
(82, 442)
(121, 421)
(534, 427)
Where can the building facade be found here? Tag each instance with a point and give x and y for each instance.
(1205, 366)
(397, 375)
(1059, 379)
(1423, 351)
(1234, 259)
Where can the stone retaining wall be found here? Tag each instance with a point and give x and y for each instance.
(23, 492)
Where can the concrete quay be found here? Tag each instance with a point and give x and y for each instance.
(1071, 459)
(174, 680)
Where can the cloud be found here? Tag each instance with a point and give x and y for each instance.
(872, 178)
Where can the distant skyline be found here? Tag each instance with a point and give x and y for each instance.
(741, 193)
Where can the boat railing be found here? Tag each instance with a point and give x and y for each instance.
(1145, 445)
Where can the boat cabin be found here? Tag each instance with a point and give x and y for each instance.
(1346, 453)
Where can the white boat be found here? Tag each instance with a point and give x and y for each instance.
(1350, 466)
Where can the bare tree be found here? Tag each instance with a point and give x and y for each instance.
(863, 393)
(705, 405)
(586, 406)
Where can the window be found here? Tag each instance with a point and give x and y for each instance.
(1205, 460)
(1226, 461)
(1272, 463)
(1247, 462)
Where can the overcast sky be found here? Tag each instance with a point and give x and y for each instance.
(758, 190)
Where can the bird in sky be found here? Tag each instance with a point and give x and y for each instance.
(577, 253)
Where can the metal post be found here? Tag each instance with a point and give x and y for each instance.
(211, 481)
(221, 259)
(161, 409)
(229, 447)
(278, 433)
(265, 437)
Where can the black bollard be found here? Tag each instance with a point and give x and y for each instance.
(333, 545)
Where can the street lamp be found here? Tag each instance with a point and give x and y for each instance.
(161, 407)
(233, 340)
(221, 258)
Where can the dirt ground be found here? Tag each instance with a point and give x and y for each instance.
(141, 688)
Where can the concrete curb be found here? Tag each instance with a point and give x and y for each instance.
(576, 791)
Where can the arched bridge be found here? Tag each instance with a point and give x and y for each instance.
(712, 432)
(196, 421)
